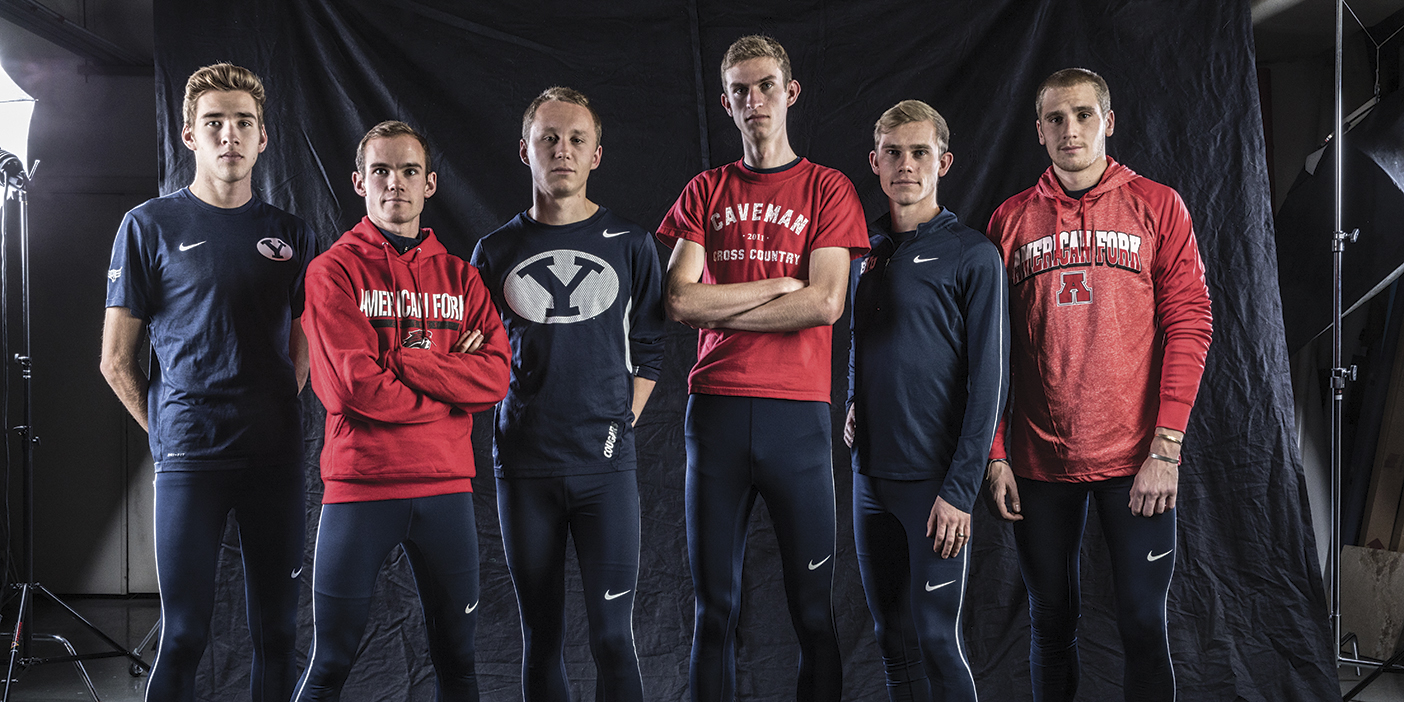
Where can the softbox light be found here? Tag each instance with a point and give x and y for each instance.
(16, 109)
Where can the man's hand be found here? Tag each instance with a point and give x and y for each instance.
(1002, 492)
(468, 343)
(850, 426)
(949, 526)
(1158, 481)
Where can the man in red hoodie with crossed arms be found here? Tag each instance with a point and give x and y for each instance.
(405, 346)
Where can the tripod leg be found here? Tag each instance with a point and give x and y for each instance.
(1384, 668)
(136, 660)
(77, 665)
(15, 654)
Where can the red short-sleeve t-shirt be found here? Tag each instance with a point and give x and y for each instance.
(758, 225)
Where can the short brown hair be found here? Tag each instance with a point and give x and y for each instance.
(221, 77)
(908, 111)
(388, 129)
(1069, 77)
(755, 46)
(561, 94)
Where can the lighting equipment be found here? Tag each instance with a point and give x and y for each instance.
(1340, 375)
(16, 108)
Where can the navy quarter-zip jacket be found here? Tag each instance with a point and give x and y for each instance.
(929, 362)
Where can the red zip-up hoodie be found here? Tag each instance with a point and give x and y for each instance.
(399, 405)
(1110, 324)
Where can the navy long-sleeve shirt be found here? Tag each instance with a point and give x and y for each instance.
(929, 365)
(582, 305)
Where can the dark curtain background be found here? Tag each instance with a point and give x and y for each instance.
(1247, 613)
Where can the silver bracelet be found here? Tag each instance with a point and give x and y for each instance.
(1171, 439)
(1167, 459)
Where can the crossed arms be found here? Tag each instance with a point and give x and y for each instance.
(768, 305)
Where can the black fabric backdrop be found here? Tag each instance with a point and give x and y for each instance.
(1246, 608)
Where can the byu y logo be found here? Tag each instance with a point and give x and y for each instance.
(1075, 290)
(560, 287)
(274, 249)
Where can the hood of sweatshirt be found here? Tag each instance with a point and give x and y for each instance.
(1115, 176)
(365, 238)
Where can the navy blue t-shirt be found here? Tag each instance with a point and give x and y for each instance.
(582, 305)
(218, 289)
(929, 366)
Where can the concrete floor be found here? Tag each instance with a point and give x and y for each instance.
(128, 619)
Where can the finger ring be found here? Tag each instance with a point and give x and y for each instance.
(960, 535)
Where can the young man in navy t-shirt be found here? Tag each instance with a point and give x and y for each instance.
(928, 377)
(214, 275)
(580, 291)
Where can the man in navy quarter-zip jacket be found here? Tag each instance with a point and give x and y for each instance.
(928, 374)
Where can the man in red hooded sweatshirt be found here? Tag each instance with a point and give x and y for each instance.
(1110, 324)
(405, 346)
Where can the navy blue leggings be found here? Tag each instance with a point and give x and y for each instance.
(190, 510)
(915, 595)
(601, 512)
(781, 450)
(1143, 560)
(353, 540)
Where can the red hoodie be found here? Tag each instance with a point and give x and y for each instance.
(399, 405)
(1110, 323)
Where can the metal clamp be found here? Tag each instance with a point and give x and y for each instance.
(1340, 239)
(1339, 377)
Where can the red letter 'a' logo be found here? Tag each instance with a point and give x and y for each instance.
(1075, 290)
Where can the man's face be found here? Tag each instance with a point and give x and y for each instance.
(227, 136)
(908, 164)
(1073, 128)
(561, 148)
(757, 98)
(394, 183)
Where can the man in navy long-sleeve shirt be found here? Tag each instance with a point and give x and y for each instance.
(929, 374)
(580, 292)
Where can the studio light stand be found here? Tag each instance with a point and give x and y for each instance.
(16, 185)
(1340, 375)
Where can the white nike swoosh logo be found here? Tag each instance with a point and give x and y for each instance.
(471, 607)
(930, 587)
(183, 247)
(610, 235)
(297, 572)
(813, 565)
(1150, 557)
(919, 259)
(615, 596)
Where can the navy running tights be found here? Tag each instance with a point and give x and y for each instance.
(914, 594)
(601, 512)
(353, 540)
(1142, 558)
(781, 450)
(190, 510)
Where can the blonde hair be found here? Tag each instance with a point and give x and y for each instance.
(561, 94)
(1069, 77)
(221, 77)
(755, 46)
(908, 111)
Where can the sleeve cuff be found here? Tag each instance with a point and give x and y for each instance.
(1173, 414)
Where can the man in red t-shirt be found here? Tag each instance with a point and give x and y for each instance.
(761, 249)
(1110, 324)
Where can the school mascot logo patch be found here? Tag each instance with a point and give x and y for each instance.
(1075, 290)
(275, 249)
(561, 287)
